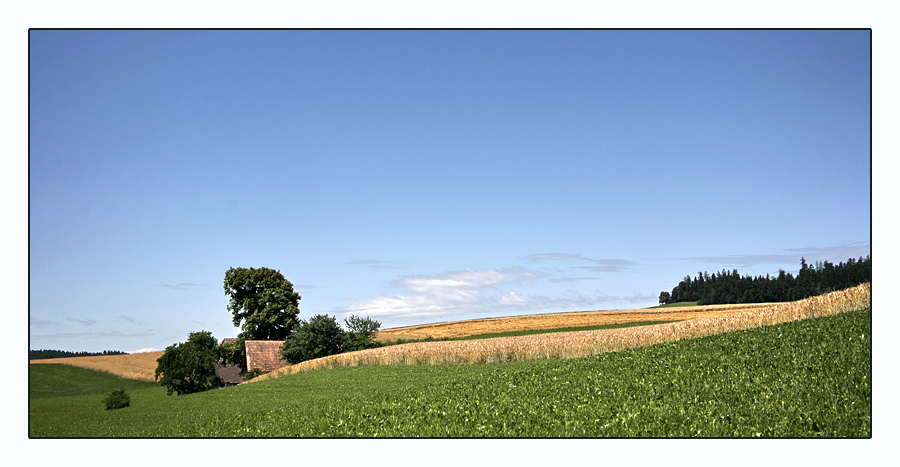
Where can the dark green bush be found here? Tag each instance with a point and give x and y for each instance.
(190, 367)
(322, 336)
(117, 399)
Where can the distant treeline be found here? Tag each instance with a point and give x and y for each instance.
(40, 354)
(730, 287)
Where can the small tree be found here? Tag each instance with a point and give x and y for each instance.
(232, 353)
(190, 367)
(117, 399)
(664, 298)
(320, 337)
(361, 333)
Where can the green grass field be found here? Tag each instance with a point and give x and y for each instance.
(675, 305)
(810, 378)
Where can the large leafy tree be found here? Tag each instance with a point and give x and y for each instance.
(262, 302)
(189, 367)
(321, 336)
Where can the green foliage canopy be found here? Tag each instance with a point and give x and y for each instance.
(322, 336)
(664, 297)
(262, 302)
(190, 367)
(232, 353)
(361, 333)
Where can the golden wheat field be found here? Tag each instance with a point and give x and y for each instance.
(584, 343)
(558, 320)
(139, 366)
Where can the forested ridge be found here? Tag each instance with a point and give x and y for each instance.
(730, 287)
(41, 354)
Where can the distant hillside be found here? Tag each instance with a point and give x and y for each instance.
(140, 366)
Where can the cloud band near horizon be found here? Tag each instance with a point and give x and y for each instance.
(469, 291)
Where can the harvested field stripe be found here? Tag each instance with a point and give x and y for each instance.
(139, 366)
(574, 329)
(585, 343)
(455, 329)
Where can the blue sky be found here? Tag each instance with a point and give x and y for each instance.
(421, 176)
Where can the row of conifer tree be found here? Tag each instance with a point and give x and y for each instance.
(730, 287)
(41, 354)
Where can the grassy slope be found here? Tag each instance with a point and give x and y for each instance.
(675, 305)
(61, 395)
(808, 378)
(65, 380)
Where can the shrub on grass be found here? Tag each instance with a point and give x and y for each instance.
(321, 336)
(117, 399)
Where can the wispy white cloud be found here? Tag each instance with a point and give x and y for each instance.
(743, 260)
(554, 257)
(453, 292)
(598, 265)
(131, 320)
(835, 253)
(562, 280)
(609, 265)
(86, 322)
(144, 350)
(454, 281)
(850, 250)
(180, 286)
(472, 291)
(380, 264)
(39, 322)
(89, 335)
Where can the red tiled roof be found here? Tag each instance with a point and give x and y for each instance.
(264, 355)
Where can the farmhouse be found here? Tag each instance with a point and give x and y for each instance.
(261, 355)
(264, 355)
